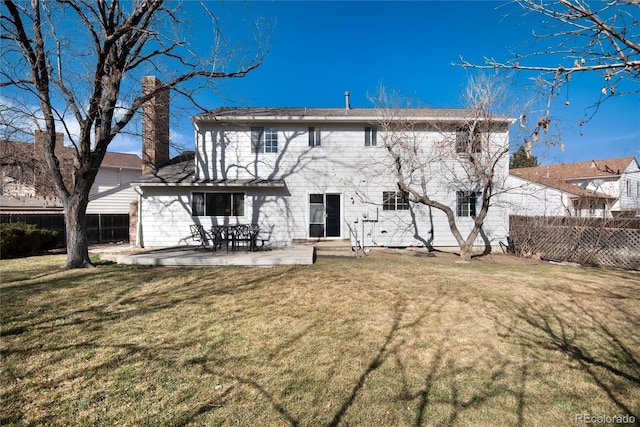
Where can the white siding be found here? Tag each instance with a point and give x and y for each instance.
(114, 201)
(166, 215)
(340, 165)
(110, 177)
(630, 188)
(527, 198)
(112, 191)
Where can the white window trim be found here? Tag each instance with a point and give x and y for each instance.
(370, 136)
(398, 205)
(462, 199)
(315, 136)
(259, 140)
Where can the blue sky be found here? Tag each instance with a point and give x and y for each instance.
(321, 49)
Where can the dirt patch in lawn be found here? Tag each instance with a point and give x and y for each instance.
(452, 258)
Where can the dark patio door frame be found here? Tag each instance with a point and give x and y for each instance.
(325, 215)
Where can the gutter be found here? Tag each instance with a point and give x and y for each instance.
(207, 118)
(139, 185)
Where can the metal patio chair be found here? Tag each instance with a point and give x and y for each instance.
(200, 235)
(509, 247)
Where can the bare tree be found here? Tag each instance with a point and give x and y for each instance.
(580, 36)
(469, 156)
(86, 74)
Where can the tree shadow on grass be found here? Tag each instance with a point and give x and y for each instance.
(121, 306)
(441, 389)
(280, 408)
(30, 330)
(445, 372)
(593, 341)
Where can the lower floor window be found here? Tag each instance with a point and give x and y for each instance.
(394, 201)
(217, 204)
(466, 203)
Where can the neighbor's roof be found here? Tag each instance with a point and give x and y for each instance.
(565, 187)
(122, 160)
(180, 171)
(10, 203)
(334, 114)
(593, 169)
(558, 176)
(111, 159)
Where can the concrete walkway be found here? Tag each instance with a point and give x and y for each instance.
(197, 256)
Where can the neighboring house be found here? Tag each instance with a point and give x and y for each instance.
(112, 192)
(28, 188)
(302, 174)
(597, 188)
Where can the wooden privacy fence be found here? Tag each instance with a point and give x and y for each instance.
(602, 242)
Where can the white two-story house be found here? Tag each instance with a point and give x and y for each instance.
(307, 174)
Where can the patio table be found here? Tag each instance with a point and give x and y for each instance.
(237, 235)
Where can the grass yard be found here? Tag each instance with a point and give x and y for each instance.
(391, 339)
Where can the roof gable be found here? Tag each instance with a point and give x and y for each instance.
(560, 176)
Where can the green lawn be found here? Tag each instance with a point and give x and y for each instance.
(390, 339)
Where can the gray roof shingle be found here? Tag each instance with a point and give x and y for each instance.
(353, 114)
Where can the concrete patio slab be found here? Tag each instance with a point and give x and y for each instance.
(183, 256)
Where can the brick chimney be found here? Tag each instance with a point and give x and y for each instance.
(155, 125)
(39, 137)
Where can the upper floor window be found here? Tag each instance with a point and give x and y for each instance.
(466, 203)
(217, 204)
(394, 201)
(270, 140)
(264, 140)
(370, 136)
(314, 136)
(468, 141)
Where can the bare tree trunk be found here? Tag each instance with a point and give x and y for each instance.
(77, 236)
(466, 249)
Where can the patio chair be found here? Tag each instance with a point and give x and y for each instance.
(220, 234)
(243, 235)
(509, 247)
(200, 235)
(257, 234)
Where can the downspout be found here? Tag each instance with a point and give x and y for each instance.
(197, 156)
(139, 240)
